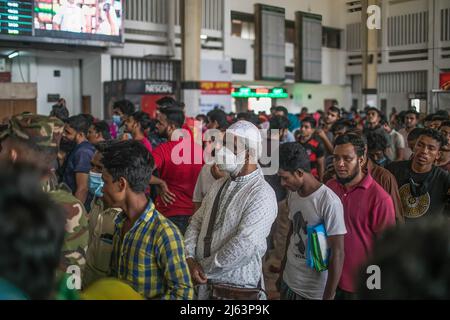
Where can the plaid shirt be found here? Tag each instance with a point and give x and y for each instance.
(151, 257)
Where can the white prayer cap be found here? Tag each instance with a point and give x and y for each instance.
(248, 131)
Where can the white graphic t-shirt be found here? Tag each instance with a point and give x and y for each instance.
(323, 206)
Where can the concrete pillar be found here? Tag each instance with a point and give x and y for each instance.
(191, 25)
(369, 57)
(171, 28)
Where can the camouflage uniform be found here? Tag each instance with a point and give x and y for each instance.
(47, 132)
(101, 231)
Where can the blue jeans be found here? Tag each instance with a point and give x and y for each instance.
(181, 222)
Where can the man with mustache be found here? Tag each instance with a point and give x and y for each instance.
(368, 209)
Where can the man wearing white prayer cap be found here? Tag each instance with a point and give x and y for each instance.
(226, 238)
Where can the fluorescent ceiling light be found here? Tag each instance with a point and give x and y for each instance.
(13, 54)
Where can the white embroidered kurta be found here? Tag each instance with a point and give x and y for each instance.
(247, 210)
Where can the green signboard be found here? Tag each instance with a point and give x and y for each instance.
(274, 93)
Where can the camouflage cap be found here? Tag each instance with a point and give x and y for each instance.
(43, 130)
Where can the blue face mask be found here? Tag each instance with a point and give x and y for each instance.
(382, 162)
(117, 120)
(96, 184)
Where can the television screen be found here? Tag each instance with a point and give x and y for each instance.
(79, 19)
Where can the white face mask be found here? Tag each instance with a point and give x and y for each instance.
(229, 162)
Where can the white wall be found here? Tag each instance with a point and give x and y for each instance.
(68, 85)
(39, 67)
(319, 93)
(333, 13)
(96, 70)
(329, 9)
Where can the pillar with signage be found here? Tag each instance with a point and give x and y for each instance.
(191, 23)
(369, 57)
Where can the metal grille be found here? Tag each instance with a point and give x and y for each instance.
(415, 81)
(155, 11)
(408, 29)
(445, 24)
(354, 37)
(124, 68)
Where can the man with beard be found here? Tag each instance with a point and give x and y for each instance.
(226, 238)
(178, 163)
(424, 187)
(78, 162)
(368, 209)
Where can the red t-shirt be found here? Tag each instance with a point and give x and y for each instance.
(368, 211)
(147, 144)
(180, 177)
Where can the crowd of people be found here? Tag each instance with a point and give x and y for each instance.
(132, 207)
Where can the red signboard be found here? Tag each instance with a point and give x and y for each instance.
(5, 76)
(444, 83)
(214, 87)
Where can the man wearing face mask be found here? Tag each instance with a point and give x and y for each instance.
(368, 209)
(122, 109)
(101, 225)
(178, 163)
(226, 238)
(376, 147)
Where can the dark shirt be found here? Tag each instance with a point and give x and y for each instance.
(426, 194)
(78, 161)
(315, 150)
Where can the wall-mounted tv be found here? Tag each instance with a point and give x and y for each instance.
(91, 22)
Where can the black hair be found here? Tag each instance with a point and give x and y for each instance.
(175, 115)
(335, 109)
(415, 134)
(102, 128)
(129, 160)
(143, 119)
(125, 106)
(279, 122)
(420, 272)
(202, 117)
(43, 156)
(293, 157)
(79, 123)
(342, 124)
(282, 109)
(445, 124)
(429, 117)
(220, 117)
(380, 113)
(89, 118)
(168, 101)
(376, 141)
(435, 135)
(249, 116)
(411, 111)
(311, 121)
(439, 117)
(443, 113)
(31, 232)
(357, 141)
(60, 112)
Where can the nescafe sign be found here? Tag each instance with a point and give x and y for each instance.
(158, 87)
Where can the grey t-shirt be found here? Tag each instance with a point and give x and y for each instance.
(323, 206)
